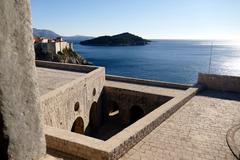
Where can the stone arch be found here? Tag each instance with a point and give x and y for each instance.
(78, 126)
(136, 113)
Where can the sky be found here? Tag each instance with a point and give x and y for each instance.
(152, 19)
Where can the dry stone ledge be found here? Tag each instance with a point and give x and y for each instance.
(21, 129)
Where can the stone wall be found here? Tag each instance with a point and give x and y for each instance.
(126, 99)
(220, 82)
(53, 47)
(21, 130)
(59, 105)
(59, 46)
(78, 146)
(67, 66)
(47, 47)
(148, 82)
(75, 146)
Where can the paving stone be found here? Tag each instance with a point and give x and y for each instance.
(196, 131)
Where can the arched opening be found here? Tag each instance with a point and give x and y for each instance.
(78, 126)
(136, 113)
(113, 109)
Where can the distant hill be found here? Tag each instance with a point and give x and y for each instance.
(76, 39)
(52, 35)
(45, 33)
(124, 39)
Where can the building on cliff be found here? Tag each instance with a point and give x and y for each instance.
(51, 46)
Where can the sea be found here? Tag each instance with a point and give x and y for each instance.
(177, 61)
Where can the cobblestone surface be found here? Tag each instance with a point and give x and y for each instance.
(196, 131)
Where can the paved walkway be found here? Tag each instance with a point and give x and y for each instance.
(197, 131)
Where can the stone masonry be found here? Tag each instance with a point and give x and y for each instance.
(21, 130)
(197, 131)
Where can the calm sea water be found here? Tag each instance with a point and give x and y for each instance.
(167, 60)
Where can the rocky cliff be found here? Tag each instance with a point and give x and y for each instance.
(66, 56)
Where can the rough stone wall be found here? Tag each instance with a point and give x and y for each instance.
(47, 47)
(58, 105)
(21, 130)
(126, 99)
(220, 82)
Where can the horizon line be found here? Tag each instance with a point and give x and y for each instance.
(163, 38)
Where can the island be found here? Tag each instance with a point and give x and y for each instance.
(124, 39)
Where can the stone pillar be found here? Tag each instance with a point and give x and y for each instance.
(21, 129)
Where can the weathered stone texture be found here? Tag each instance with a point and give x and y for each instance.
(196, 131)
(58, 104)
(220, 82)
(21, 127)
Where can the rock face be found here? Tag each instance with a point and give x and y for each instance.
(21, 129)
(124, 39)
(66, 56)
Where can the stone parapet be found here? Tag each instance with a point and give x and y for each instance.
(90, 148)
(220, 82)
(148, 82)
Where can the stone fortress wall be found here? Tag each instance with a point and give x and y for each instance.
(220, 82)
(54, 47)
(88, 103)
(87, 99)
(21, 126)
(130, 104)
(64, 105)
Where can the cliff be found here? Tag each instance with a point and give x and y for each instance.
(66, 56)
(124, 39)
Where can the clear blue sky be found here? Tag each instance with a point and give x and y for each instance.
(181, 19)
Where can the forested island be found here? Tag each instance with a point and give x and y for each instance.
(124, 39)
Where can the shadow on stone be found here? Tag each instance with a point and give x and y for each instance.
(4, 140)
(220, 95)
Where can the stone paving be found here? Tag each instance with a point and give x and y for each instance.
(50, 79)
(196, 131)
